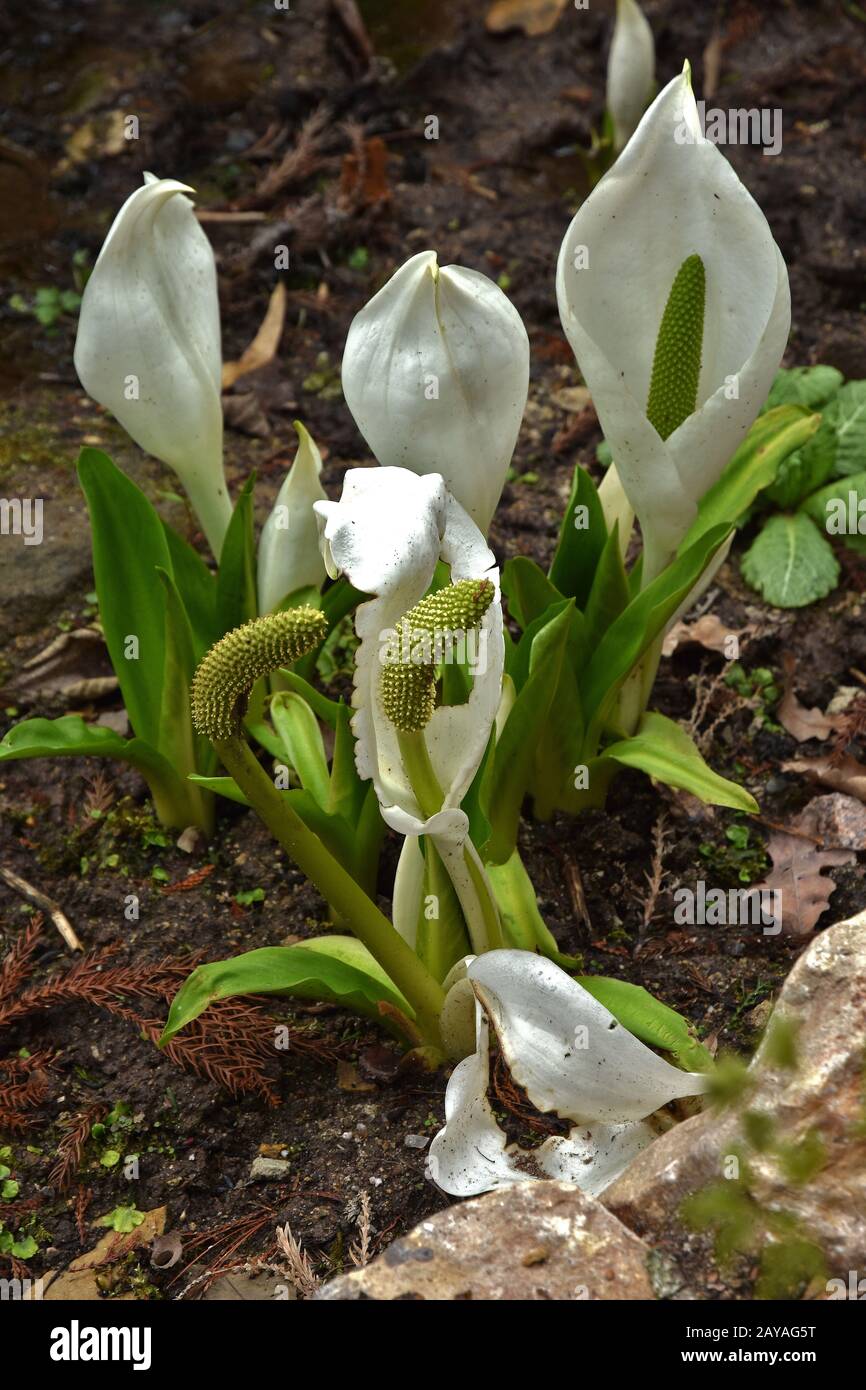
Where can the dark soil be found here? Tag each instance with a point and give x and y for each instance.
(221, 91)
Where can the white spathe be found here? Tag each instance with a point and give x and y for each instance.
(630, 70)
(574, 1059)
(436, 374)
(670, 195)
(289, 556)
(386, 534)
(148, 344)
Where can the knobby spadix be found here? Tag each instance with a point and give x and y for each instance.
(573, 1059)
(148, 344)
(436, 373)
(675, 299)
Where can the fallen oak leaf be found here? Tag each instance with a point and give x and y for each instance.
(847, 775)
(798, 872)
(800, 722)
(709, 632)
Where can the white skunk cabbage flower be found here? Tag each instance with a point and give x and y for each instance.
(148, 344)
(630, 71)
(289, 555)
(386, 534)
(573, 1059)
(675, 299)
(436, 374)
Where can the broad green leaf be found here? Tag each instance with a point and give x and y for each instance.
(513, 755)
(639, 624)
(650, 1020)
(129, 545)
(609, 594)
(839, 509)
(790, 563)
(336, 969)
(71, 737)
(441, 939)
(847, 414)
(197, 588)
(301, 737)
(327, 710)
(522, 922)
(236, 599)
(805, 469)
(528, 590)
(662, 749)
(753, 467)
(581, 540)
(812, 387)
(179, 744)
(346, 791)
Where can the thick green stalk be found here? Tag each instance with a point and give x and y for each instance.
(337, 886)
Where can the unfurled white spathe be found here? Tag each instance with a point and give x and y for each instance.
(436, 374)
(572, 1058)
(148, 344)
(630, 70)
(670, 195)
(387, 534)
(289, 556)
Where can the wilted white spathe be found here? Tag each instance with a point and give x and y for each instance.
(289, 556)
(436, 374)
(630, 71)
(148, 344)
(573, 1059)
(670, 196)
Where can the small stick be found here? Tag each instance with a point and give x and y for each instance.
(39, 899)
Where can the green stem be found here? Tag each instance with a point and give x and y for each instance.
(467, 873)
(337, 887)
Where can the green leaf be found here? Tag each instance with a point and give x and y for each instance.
(337, 969)
(327, 710)
(581, 540)
(72, 737)
(301, 737)
(650, 1020)
(236, 581)
(836, 512)
(847, 414)
(513, 755)
(24, 1248)
(609, 594)
(179, 743)
(197, 588)
(812, 387)
(662, 749)
(346, 791)
(639, 624)
(772, 438)
(790, 563)
(442, 940)
(528, 590)
(524, 925)
(805, 469)
(121, 1219)
(129, 545)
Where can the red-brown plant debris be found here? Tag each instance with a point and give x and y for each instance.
(24, 1085)
(231, 1043)
(71, 1147)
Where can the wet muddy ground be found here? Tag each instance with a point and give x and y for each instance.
(225, 95)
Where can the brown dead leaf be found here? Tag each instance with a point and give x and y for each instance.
(350, 1079)
(75, 665)
(798, 871)
(709, 632)
(113, 1245)
(800, 722)
(364, 181)
(264, 346)
(532, 16)
(847, 776)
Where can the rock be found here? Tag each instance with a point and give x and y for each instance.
(823, 1002)
(269, 1169)
(530, 1241)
